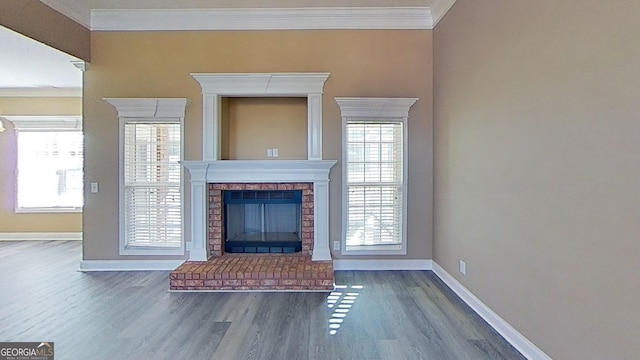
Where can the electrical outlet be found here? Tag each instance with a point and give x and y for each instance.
(275, 152)
(463, 267)
(336, 245)
(94, 187)
(269, 152)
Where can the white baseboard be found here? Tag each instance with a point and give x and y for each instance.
(513, 336)
(129, 265)
(380, 264)
(40, 236)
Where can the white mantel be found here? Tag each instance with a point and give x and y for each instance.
(211, 169)
(249, 171)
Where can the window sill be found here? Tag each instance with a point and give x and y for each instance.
(374, 250)
(152, 251)
(45, 210)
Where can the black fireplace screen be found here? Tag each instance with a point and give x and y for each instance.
(261, 221)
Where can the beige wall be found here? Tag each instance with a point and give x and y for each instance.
(157, 64)
(537, 167)
(258, 124)
(36, 20)
(9, 221)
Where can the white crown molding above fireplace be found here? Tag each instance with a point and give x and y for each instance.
(310, 18)
(191, 15)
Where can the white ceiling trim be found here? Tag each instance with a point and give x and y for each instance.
(438, 9)
(263, 19)
(76, 13)
(41, 92)
(53, 122)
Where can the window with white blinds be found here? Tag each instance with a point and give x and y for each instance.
(49, 176)
(375, 185)
(152, 174)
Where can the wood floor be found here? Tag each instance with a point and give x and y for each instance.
(131, 315)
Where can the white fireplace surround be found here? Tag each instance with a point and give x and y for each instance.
(211, 169)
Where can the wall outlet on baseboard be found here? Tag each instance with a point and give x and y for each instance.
(463, 267)
(336, 245)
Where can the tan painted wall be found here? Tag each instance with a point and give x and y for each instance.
(157, 64)
(36, 20)
(537, 167)
(258, 124)
(9, 221)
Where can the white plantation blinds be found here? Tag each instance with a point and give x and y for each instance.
(374, 162)
(49, 169)
(152, 184)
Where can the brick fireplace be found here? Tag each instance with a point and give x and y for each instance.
(208, 267)
(216, 236)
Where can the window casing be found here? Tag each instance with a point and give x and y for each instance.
(49, 169)
(151, 148)
(374, 175)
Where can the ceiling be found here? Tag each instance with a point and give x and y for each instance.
(28, 64)
(29, 67)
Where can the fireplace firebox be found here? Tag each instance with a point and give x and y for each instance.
(259, 221)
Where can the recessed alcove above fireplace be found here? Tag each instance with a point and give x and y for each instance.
(252, 125)
(212, 169)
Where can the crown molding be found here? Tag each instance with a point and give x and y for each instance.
(375, 107)
(155, 108)
(80, 65)
(439, 9)
(40, 92)
(324, 18)
(44, 122)
(258, 84)
(67, 9)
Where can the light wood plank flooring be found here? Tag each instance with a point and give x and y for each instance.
(131, 315)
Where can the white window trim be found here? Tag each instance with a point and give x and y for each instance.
(45, 123)
(152, 110)
(383, 110)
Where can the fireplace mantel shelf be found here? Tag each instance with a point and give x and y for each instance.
(259, 170)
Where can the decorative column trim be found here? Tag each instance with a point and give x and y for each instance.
(314, 126)
(321, 221)
(198, 246)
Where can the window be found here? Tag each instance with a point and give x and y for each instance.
(151, 148)
(374, 183)
(153, 202)
(49, 164)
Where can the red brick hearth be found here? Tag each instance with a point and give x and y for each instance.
(266, 272)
